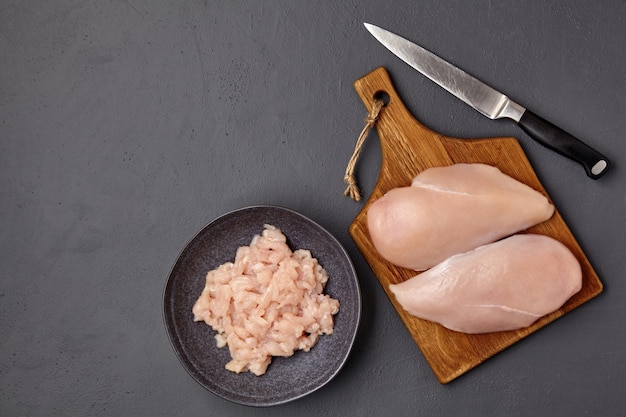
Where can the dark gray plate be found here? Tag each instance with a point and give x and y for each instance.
(286, 379)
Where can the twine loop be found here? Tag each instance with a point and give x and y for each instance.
(353, 189)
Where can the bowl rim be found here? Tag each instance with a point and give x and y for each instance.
(177, 344)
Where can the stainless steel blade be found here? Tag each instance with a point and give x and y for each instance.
(477, 94)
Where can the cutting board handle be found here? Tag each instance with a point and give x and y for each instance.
(407, 146)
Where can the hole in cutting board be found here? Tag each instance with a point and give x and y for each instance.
(383, 96)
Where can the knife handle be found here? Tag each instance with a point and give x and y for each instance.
(559, 140)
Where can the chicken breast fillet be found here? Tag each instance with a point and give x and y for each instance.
(450, 210)
(501, 286)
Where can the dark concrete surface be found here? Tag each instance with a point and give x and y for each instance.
(127, 125)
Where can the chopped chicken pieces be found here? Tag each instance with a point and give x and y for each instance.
(268, 302)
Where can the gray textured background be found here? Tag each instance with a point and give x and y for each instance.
(126, 126)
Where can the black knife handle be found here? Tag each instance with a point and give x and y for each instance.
(559, 140)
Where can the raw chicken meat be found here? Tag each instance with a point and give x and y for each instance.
(504, 285)
(450, 210)
(268, 302)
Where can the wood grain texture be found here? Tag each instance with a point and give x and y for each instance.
(408, 147)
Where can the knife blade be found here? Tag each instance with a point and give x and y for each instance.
(490, 102)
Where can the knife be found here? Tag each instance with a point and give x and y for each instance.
(491, 103)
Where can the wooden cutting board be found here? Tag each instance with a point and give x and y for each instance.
(408, 147)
